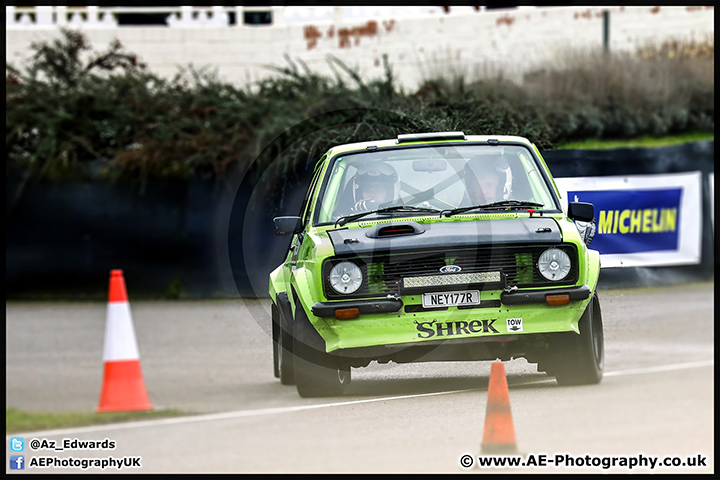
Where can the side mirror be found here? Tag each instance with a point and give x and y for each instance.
(287, 225)
(581, 211)
(583, 214)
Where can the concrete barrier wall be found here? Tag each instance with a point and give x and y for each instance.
(418, 44)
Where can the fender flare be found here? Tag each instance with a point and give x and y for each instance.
(593, 269)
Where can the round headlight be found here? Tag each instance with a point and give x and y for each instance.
(345, 277)
(554, 264)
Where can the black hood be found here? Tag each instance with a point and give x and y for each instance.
(413, 236)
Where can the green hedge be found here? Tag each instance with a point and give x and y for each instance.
(72, 112)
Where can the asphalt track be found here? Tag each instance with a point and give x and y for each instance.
(213, 358)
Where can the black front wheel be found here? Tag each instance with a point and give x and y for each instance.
(317, 373)
(275, 321)
(580, 359)
(285, 357)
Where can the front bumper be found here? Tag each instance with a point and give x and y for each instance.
(524, 297)
(327, 309)
(393, 305)
(397, 322)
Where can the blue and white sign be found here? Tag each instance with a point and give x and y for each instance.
(642, 220)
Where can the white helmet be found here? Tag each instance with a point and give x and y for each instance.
(376, 173)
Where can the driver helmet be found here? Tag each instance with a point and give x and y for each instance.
(373, 177)
(481, 166)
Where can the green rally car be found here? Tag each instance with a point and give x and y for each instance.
(435, 247)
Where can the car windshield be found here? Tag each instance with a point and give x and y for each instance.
(433, 178)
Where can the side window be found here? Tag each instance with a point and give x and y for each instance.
(305, 207)
(327, 205)
(344, 200)
(534, 185)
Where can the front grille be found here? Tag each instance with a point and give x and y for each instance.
(382, 274)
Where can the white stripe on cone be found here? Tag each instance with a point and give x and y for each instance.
(120, 342)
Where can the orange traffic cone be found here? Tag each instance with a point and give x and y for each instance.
(123, 386)
(499, 434)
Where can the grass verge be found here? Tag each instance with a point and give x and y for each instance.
(645, 141)
(17, 420)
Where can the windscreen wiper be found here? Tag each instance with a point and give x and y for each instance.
(394, 209)
(492, 206)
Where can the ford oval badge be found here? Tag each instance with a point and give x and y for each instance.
(450, 269)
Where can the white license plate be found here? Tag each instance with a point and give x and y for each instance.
(451, 299)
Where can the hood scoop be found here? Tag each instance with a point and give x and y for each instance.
(394, 230)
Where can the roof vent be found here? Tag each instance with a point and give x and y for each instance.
(419, 137)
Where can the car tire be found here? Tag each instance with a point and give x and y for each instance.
(580, 359)
(317, 373)
(275, 320)
(285, 357)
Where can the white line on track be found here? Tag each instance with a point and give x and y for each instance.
(297, 408)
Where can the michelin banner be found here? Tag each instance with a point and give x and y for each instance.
(642, 220)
